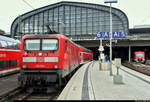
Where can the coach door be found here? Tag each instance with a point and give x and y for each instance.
(70, 60)
(81, 58)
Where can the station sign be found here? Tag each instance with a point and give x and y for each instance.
(110, 1)
(114, 35)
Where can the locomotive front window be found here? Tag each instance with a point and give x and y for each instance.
(140, 55)
(49, 44)
(32, 44)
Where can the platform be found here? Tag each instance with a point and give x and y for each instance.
(90, 83)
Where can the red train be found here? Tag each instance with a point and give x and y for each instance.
(10, 55)
(48, 59)
(85, 55)
(139, 56)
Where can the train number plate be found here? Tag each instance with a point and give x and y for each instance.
(40, 59)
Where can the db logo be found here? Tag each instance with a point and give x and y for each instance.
(40, 59)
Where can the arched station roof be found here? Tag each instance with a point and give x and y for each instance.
(73, 19)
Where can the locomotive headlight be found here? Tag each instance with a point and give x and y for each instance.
(24, 66)
(25, 54)
(40, 54)
(56, 66)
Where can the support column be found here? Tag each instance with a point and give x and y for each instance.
(110, 42)
(129, 53)
(100, 49)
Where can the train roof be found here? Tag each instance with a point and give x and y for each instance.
(44, 35)
(48, 35)
(139, 52)
(55, 35)
(5, 38)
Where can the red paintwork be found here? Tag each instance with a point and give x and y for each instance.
(91, 55)
(66, 58)
(71, 54)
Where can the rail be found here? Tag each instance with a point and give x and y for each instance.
(145, 69)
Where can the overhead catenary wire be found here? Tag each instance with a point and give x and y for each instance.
(28, 4)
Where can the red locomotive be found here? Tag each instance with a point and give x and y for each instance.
(47, 59)
(139, 57)
(10, 55)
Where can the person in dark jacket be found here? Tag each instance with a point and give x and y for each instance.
(108, 58)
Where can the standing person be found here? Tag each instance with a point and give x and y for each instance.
(108, 58)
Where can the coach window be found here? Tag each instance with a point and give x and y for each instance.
(8, 63)
(10, 45)
(14, 63)
(4, 44)
(1, 65)
(66, 45)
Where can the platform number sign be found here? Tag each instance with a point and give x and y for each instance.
(114, 35)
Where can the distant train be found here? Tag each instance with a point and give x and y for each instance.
(48, 59)
(10, 55)
(139, 57)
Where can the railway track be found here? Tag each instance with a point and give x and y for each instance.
(30, 94)
(33, 96)
(22, 95)
(10, 91)
(142, 68)
(8, 86)
(7, 96)
(37, 93)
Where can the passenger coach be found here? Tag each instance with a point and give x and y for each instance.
(85, 55)
(10, 55)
